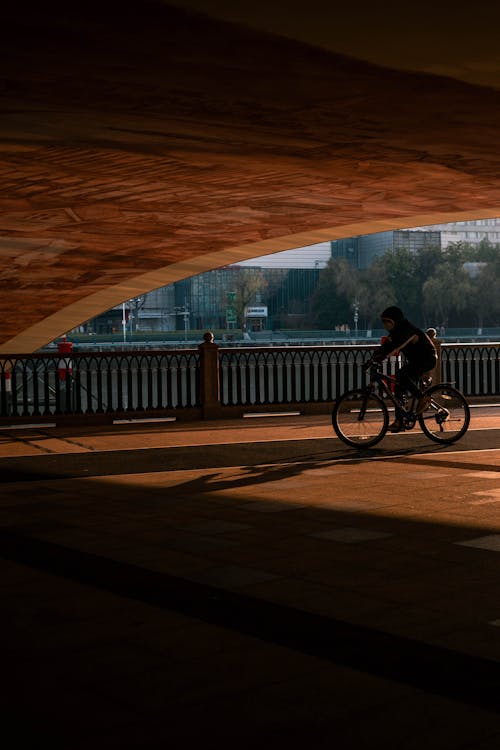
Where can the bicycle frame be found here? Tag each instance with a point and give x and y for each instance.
(360, 416)
(380, 379)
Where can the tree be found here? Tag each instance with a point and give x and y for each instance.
(248, 284)
(447, 292)
(376, 292)
(484, 296)
(400, 267)
(335, 294)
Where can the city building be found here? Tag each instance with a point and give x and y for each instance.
(467, 231)
(283, 283)
(360, 251)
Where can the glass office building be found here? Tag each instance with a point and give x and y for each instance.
(361, 251)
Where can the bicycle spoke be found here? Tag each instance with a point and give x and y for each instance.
(447, 416)
(360, 418)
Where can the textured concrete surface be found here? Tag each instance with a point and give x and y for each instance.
(160, 588)
(139, 148)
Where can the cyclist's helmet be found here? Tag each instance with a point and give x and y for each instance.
(393, 313)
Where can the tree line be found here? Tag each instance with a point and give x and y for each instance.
(456, 287)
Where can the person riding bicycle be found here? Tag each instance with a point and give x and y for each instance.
(419, 352)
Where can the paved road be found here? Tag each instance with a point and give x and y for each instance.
(155, 573)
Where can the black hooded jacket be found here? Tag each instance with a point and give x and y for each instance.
(405, 337)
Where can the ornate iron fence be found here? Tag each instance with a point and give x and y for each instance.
(127, 382)
(230, 379)
(474, 368)
(288, 375)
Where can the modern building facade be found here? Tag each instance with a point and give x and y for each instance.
(283, 283)
(361, 251)
(472, 232)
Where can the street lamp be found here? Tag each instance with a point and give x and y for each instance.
(356, 317)
(184, 311)
(124, 322)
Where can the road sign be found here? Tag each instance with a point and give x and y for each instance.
(231, 317)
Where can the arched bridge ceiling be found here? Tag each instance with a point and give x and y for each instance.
(140, 147)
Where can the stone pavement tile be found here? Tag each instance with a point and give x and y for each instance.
(153, 691)
(490, 743)
(476, 638)
(197, 543)
(264, 557)
(335, 602)
(269, 506)
(333, 707)
(34, 714)
(350, 535)
(366, 571)
(173, 684)
(16, 443)
(28, 494)
(213, 527)
(415, 588)
(54, 443)
(232, 577)
(410, 621)
(15, 576)
(285, 590)
(342, 604)
(306, 546)
(101, 544)
(420, 720)
(172, 562)
(479, 600)
(192, 641)
(443, 547)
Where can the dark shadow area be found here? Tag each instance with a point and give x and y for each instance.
(107, 463)
(431, 668)
(87, 534)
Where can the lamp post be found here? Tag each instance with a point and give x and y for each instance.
(184, 311)
(356, 317)
(124, 322)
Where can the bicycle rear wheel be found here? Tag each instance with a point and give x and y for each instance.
(447, 416)
(360, 418)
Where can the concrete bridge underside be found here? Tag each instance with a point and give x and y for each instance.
(138, 148)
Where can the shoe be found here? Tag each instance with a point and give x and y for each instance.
(423, 404)
(396, 426)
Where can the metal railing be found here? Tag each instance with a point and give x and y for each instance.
(42, 385)
(210, 381)
(291, 375)
(474, 368)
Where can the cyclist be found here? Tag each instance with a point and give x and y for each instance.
(419, 353)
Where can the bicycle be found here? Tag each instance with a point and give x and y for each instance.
(360, 417)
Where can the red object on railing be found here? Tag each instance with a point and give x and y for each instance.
(65, 366)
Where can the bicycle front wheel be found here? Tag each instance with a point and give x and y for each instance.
(446, 416)
(360, 418)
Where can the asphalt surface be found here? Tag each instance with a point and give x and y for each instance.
(168, 582)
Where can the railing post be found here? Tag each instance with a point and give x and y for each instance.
(209, 377)
(437, 375)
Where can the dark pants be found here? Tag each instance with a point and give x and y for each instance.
(407, 377)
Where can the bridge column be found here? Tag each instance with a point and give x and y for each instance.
(209, 377)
